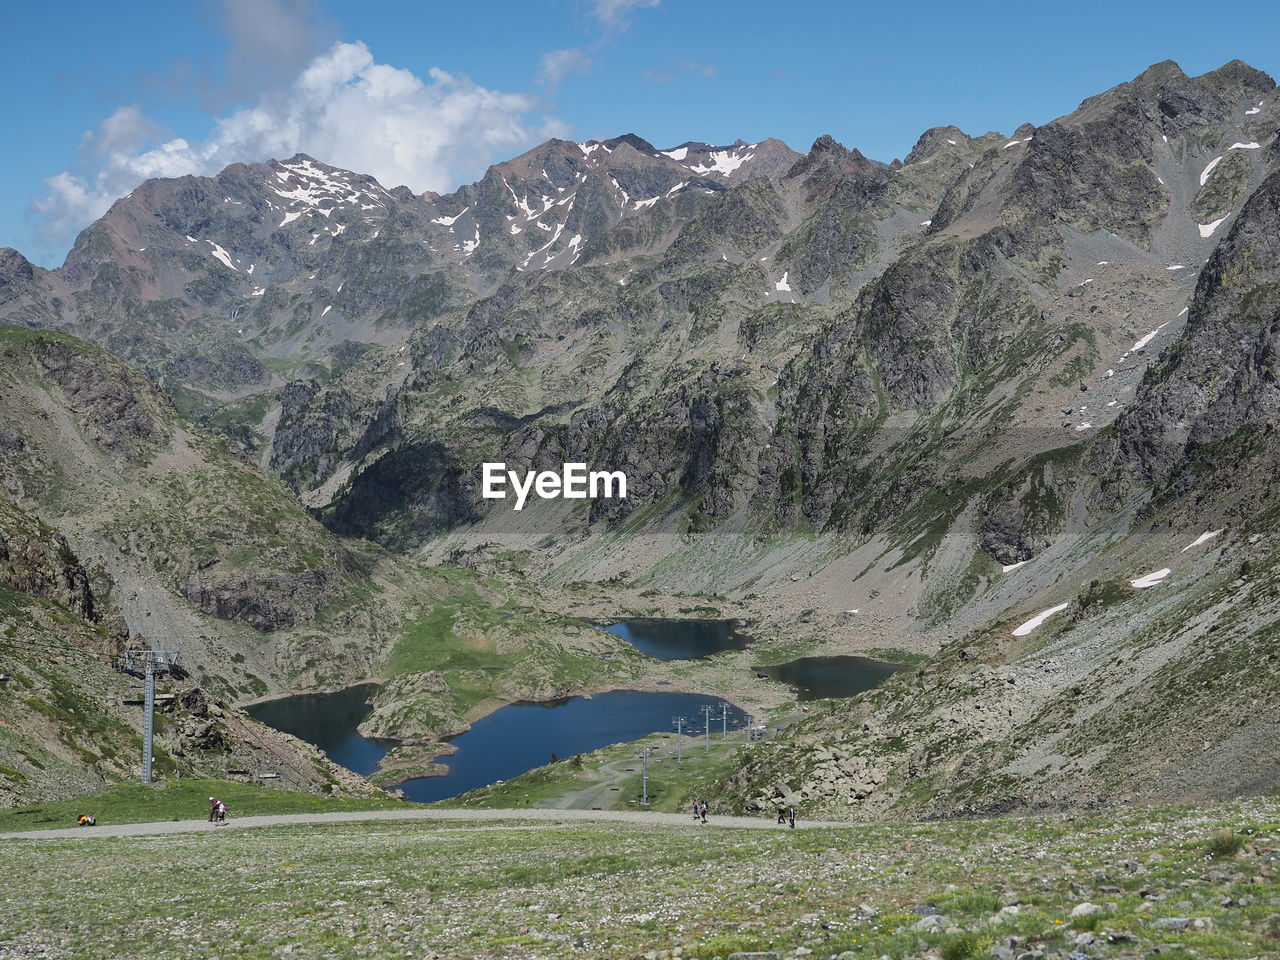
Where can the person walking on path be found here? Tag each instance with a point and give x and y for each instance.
(704, 811)
(782, 814)
(793, 818)
(220, 812)
(697, 809)
(213, 809)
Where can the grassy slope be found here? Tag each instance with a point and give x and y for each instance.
(672, 783)
(184, 799)
(60, 727)
(414, 889)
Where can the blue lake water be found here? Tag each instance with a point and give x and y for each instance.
(502, 745)
(818, 678)
(672, 639)
(328, 720)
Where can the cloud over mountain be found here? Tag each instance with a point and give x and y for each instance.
(427, 133)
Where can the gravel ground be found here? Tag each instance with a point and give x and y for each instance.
(531, 814)
(1129, 884)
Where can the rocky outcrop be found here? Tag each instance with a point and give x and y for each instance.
(1218, 383)
(38, 561)
(1022, 517)
(106, 396)
(414, 707)
(265, 603)
(407, 495)
(223, 366)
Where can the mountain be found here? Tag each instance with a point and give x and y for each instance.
(226, 286)
(62, 727)
(178, 542)
(905, 406)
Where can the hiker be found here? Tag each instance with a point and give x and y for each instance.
(782, 814)
(213, 809)
(704, 811)
(697, 807)
(220, 812)
(793, 818)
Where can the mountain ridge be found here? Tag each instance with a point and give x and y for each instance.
(856, 398)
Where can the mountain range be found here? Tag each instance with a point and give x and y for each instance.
(1009, 404)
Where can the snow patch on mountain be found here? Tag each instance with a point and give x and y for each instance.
(1206, 229)
(1202, 539)
(1151, 579)
(220, 254)
(450, 221)
(1039, 618)
(724, 162)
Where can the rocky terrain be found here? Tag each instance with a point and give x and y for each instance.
(121, 514)
(1166, 883)
(1009, 402)
(70, 723)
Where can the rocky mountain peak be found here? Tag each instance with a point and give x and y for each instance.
(1239, 73)
(632, 140)
(830, 156)
(934, 139)
(827, 144)
(1159, 73)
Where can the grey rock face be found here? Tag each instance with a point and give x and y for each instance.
(264, 603)
(1219, 381)
(1022, 518)
(106, 399)
(37, 561)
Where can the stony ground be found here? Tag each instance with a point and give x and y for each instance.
(1131, 883)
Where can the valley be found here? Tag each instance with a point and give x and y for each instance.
(998, 418)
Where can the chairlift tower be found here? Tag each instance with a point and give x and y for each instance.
(148, 664)
(643, 756)
(679, 724)
(707, 709)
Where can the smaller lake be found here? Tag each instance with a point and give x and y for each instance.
(502, 745)
(819, 678)
(672, 639)
(329, 721)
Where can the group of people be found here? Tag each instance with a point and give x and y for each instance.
(787, 815)
(217, 811)
(700, 810)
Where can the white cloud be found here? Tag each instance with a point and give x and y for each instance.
(343, 108)
(125, 130)
(616, 14)
(68, 206)
(556, 65)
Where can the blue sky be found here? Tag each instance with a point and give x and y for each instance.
(99, 96)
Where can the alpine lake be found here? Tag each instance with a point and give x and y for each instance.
(521, 736)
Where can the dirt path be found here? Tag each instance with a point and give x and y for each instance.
(544, 816)
(596, 795)
(602, 792)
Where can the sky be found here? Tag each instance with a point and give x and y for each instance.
(101, 96)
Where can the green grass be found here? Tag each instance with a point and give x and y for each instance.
(673, 782)
(185, 799)
(402, 890)
(1224, 843)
